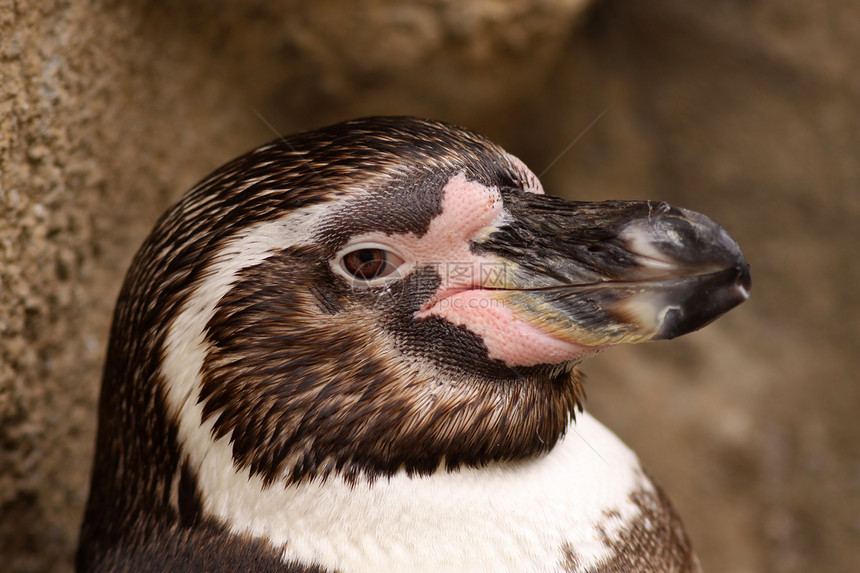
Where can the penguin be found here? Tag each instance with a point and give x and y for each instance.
(356, 349)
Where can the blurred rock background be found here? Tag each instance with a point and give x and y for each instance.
(747, 111)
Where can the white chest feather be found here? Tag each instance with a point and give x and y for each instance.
(504, 517)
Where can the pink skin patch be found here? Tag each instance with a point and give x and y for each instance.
(470, 209)
(508, 338)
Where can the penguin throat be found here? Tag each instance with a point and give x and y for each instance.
(362, 416)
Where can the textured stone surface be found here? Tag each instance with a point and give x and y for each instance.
(747, 111)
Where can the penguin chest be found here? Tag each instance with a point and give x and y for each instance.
(559, 512)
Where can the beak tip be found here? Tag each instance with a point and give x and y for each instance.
(715, 296)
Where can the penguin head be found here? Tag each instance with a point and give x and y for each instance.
(395, 293)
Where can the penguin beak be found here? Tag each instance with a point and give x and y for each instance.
(612, 272)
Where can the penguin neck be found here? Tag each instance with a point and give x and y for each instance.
(431, 520)
(374, 423)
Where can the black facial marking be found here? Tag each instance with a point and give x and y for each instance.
(328, 303)
(403, 204)
(454, 350)
(190, 504)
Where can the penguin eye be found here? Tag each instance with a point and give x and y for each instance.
(370, 262)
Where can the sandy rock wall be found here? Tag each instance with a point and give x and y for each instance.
(749, 112)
